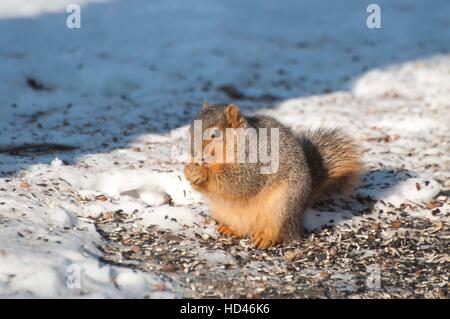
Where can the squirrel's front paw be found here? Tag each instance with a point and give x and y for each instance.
(195, 173)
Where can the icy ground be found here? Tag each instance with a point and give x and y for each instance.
(92, 132)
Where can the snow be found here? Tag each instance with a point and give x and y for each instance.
(27, 8)
(315, 220)
(216, 257)
(123, 88)
(56, 162)
(414, 190)
(168, 217)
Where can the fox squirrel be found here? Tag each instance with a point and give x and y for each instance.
(269, 207)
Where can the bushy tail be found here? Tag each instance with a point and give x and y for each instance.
(334, 161)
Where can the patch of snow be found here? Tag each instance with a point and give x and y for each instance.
(217, 257)
(27, 8)
(168, 217)
(57, 162)
(413, 190)
(314, 220)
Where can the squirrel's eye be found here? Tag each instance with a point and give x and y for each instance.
(216, 133)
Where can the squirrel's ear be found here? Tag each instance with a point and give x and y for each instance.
(205, 105)
(233, 116)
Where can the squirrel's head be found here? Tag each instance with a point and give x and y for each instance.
(211, 124)
(221, 116)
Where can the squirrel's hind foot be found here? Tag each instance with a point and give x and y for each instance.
(225, 230)
(262, 243)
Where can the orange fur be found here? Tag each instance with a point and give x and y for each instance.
(214, 168)
(225, 230)
(259, 217)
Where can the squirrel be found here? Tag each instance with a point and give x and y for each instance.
(269, 207)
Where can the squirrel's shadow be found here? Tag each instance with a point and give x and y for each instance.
(333, 210)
